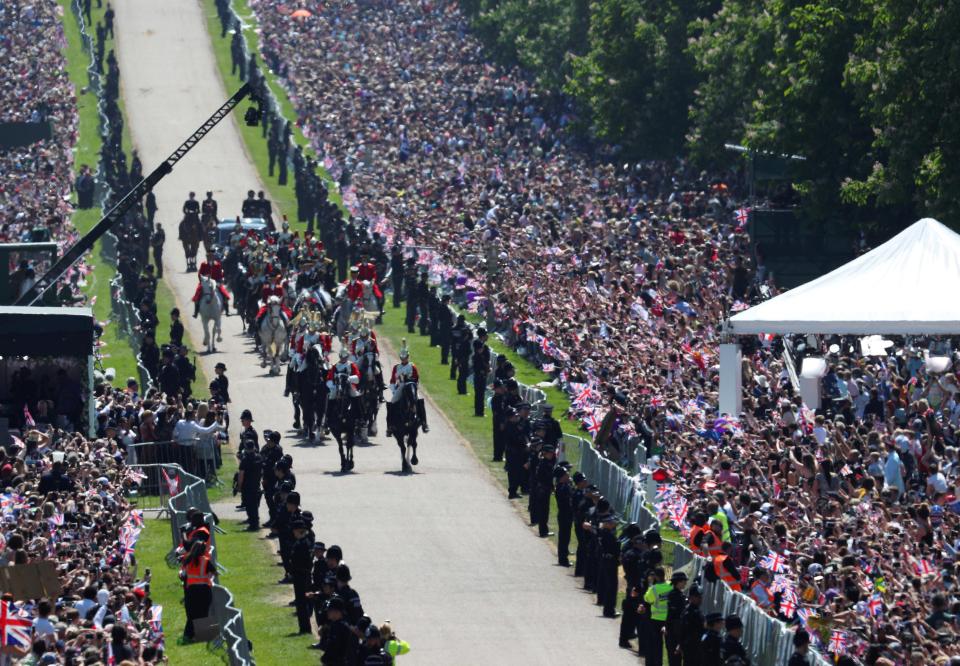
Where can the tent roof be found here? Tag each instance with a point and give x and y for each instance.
(46, 331)
(907, 285)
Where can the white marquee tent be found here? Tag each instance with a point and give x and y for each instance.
(908, 285)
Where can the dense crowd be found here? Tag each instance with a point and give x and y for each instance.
(65, 502)
(36, 179)
(619, 276)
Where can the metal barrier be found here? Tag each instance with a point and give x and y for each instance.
(193, 493)
(201, 458)
(768, 640)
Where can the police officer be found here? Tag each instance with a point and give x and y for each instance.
(609, 564)
(434, 307)
(656, 600)
(481, 368)
(711, 641)
(581, 518)
(410, 279)
(444, 322)
(552, 431)
(731, 651)
(498, 407)
(563, 492)
(351, 598)
(461, 346)
(287, 512)
(676, 603)
(634, 571)
(271, 454)
(301, 568)
(249, 482)
(543, 480)
(801, 649)
(396, 273)
(691, 627)
(338, 642)
(423, 303)
(157, 239)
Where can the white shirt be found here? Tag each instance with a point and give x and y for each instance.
(187, 432)
(938, 481)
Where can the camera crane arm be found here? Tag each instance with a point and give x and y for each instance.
(78, 249)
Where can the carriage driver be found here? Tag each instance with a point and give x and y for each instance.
(344, 367)
(404, 372)
(211, 271)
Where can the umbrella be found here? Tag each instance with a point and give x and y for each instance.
(301, 13)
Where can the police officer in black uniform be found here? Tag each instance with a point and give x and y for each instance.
(444, 329)
(249, 482)
(609, 552)
(157, 239)
(396, 273)
(410, 280)
(498, 406)
(543, 479)
(301, 568)
(481, 368)
(351, 598)
(731, 651)
(563, 492)
(422, 291)
(339, 644)
(634, 571)
(288, 510)
(676, 603)
(271, 454)
(585, 498)
(801, 649)
(711, 641)
(460, 346)
(515, 445)
(691, 627)
(552, 431)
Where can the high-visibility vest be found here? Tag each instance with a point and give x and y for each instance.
(724, 574)
(722, 517)
(656, 598)
(198, 572)
(696, 531)
(715, 547)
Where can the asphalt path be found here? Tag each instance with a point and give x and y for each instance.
(441, 552)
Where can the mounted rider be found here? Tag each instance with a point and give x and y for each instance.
(354, 288)
(344, 367)
(403, 373)
(364, 344)
(214, 271)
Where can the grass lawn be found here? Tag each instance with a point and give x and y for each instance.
(249, 562)
(283, 196)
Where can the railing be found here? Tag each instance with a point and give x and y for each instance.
(193, 493)
(201, 458)
(768, 640)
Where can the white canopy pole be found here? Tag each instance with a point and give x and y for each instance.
(731, 379)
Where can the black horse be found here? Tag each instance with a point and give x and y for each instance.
(405, 418)
(341, 419)
(371, 394)
(309, 394)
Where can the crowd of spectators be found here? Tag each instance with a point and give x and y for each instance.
(65, 502)
(36, 179)
(618, 278)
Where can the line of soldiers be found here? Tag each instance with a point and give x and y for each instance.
(318, 574)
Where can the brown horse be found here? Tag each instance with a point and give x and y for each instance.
(191, 233)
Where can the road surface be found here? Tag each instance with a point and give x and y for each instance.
(441, 553)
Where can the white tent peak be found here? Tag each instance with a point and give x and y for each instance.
(907, 285)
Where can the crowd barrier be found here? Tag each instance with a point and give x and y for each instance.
(192, 492)
(200, 458)
(767, 640)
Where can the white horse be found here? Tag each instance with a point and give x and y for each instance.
(273, 336)
(211, 307)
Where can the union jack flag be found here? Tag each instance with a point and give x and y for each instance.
(774, 562)
(838, 642)
(56, 519)
(924, 568)
(28, 417)
(875, 605)
(173, 484)
(584, 396)
(156, 617)
(804, 615)
(136, 518)
(548, 367)
(788, 607)
(15, 629)
(664, 493)
(592, 424)
(742, 216)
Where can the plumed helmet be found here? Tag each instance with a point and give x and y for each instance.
(344, 354)
(404, 352)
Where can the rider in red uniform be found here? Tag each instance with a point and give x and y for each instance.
(276, 288)
(367, 271)
(354, 288)
(214, 271)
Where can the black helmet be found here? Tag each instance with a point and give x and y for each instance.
(652, 537)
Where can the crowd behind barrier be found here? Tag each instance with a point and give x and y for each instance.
(192, 493)
(767, 640)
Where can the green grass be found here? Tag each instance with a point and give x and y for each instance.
(249, 562)
(283, 196)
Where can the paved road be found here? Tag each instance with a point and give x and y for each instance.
(441, 552)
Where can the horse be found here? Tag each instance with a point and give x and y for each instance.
(341, 420)
(311, 391)
(371, 390)
(405, 422)
(273, 336)
(211, 307)
(190, 234)
(343, 315)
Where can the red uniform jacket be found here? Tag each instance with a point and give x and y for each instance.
(414, 374)
(371, 345)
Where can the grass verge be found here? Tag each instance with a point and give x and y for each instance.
(283, 196)
(248, 558)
